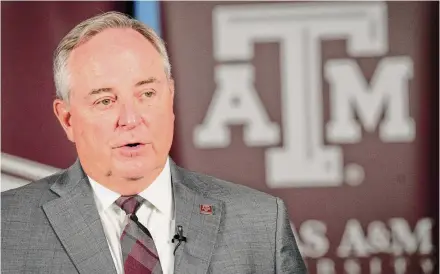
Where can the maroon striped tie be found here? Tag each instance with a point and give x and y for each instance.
(138, 250)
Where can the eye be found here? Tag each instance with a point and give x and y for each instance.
(149, 93)
(105, 102)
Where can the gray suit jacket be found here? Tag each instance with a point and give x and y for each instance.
(53, 226)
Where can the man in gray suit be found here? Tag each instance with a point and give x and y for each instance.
(125, 206)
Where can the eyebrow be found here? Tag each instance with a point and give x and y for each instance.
(148, 81)
(99, 90)
(140, 83)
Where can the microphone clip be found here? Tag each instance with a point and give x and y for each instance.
(178, 237)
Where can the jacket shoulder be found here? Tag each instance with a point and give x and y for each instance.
(232, 194)
(29, 195)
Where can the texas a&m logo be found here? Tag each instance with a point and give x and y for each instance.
(304, 160)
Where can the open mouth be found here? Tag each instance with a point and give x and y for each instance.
(133, 145)
(131, 149)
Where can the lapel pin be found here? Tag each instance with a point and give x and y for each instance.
(206, 209)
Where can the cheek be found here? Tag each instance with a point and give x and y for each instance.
(92, 130)
(161, 122)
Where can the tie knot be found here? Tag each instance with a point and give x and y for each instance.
(129, 203)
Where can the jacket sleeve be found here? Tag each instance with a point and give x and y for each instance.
(287, 256)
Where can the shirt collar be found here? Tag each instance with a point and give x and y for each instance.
(159, 193)
(104, 196)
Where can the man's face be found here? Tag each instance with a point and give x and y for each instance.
(120, 114)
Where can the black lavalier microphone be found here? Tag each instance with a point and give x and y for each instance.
(178, 237)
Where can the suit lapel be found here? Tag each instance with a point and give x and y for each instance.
(75, 219)
(200, 229)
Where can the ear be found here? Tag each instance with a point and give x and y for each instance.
(171, 85)
(171, 88)
(62, 112)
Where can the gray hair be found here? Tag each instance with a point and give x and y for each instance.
(85, 30)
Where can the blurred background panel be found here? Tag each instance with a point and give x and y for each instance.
(331, 106)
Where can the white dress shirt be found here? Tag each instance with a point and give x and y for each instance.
(156, 214)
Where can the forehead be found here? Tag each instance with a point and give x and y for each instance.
(113, 53)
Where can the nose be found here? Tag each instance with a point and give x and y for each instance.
(129, 117)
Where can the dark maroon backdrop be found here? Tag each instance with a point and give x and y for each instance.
(30, 32)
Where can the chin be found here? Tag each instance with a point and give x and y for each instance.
(134, 179)
(134, 170)
(131, 172)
